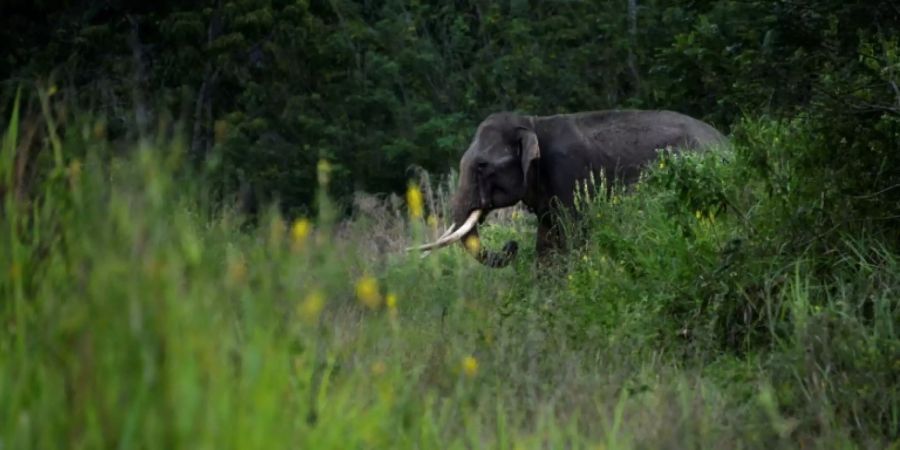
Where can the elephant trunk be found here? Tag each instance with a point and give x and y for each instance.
(462, 208)
(466, 215)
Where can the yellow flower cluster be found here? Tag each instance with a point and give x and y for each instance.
(470, 366)
(299, 232)
(367, 292)
(414, 202)
(310, 308)
(473, 244)
(323, 171)
(391, 302)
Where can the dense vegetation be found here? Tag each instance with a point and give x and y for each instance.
(156, 295)
(266, 88)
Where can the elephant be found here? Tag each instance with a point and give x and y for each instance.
(540, 160)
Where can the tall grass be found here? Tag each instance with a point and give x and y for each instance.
(134, 318)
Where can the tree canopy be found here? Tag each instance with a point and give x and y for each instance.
(266, 88)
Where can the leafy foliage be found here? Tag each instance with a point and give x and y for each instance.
(265, 88)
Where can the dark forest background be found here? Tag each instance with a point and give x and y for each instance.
(263, 89)
(745, 298)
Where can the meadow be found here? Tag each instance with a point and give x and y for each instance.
(704, 309)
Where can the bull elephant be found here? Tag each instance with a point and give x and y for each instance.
(539, 160)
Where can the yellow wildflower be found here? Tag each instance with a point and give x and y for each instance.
(367, 292)
(662, 164)
(473, 244)
(414, 201)
(323, 171)
(311, 307)
(698, 214)
(391, 301)
(470, 366)
(300, 231)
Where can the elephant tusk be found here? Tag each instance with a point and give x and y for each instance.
(443, 236)
(462, 230)
(450, 238)
(446, 233)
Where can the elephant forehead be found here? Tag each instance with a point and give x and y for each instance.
(486, 150)
(493, 132)
(486, 142)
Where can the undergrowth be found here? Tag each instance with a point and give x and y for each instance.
(688, 313)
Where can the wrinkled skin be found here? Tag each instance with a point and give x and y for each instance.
(539, 160)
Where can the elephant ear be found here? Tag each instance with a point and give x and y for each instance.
(531, 152)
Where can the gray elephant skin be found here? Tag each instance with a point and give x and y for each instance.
(539, 160)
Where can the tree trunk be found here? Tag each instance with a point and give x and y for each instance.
(632, 44)
(201, 134)
(141, 111)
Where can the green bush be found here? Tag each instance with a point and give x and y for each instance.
(720, 253)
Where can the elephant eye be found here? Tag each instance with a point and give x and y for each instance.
(481, 166)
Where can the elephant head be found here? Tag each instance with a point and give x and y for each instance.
(497, 170)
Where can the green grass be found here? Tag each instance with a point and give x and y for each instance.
(136, 315)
